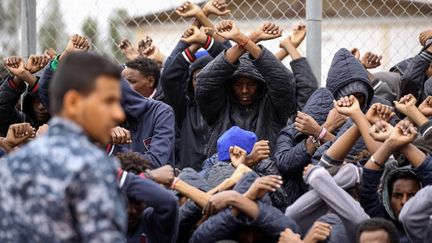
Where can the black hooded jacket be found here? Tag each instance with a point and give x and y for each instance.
(269, 112)
(177, 85)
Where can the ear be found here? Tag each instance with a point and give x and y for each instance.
(151, 80)
(72, 102)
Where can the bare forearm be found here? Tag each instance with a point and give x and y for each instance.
(205, 21)
(414, 155)
(196, 195)
(381, 156)
(363, 125)
(292, 51)
(343, 145)
(245, 205)
(417, 117)
(281, 54)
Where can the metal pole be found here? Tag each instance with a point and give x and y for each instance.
(313, 33)
(28, 27)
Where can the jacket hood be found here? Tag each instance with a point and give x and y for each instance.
(428, 87)
(317, 106)
(346, 70)
(388, 178)
(133, 103)
(402, 66)
(247, 69)
(200, 63)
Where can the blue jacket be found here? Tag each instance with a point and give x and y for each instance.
(151, 124)
(291, 155)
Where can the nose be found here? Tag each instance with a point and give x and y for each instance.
(118, 114)
(404, 199)
(245, 89)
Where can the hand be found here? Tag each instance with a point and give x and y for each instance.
(307, 125)
(229, 31)
(307, 169)
(426, 106)
(347, 106)
(77, 43)
(216, 7)
(194, 35)
(356, 53)
(15, 65)
(262, 185)
(188, 9)
(265, 31)
(163, 175)
(50, 53)
(298, 35)
(237, 156)
(208, 31)
(334, 120)
(144, 44)
(288, 236)
(128, 50)
(403, 134)
(42, 130)
(36, 63)
(120, 135)
(319, 232)
(380, 131)
(18, 133)
(260, 151)
(370, 60)
(424, 36)
(406, 104)
(218, 202)
(379, 112)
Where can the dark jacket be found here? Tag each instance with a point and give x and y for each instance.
(270, 221)
(269, 112)
(305, 80)
(9, 97)
(370, 198)
(179, 93)
(159, 221)
(415, 76)
(291, 154)
(151, 124)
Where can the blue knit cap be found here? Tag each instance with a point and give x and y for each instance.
(235, 136)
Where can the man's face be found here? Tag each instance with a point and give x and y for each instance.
(40, 111)
(100, 111)
(403, 189)
(376, 236)
(245, 90)
(139, 82)
(134, 211)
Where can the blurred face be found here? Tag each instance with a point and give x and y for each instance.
(134, 211)
(377, 236)
(429, 71)
(245, 90)
(403, 190)
(139, 82)
(40, 111)
(98, 112)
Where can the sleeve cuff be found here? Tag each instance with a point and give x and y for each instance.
(327, 162)
(187, 54)
(425, 128)
(426, 56)
(209, 43)
(16, 87)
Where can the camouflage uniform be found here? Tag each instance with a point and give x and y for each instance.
(60, 188)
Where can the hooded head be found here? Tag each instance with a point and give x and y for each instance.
(347, 76)
(235, 136)
(246, 84)
(33, 107)
(194, 69)
(399, 185)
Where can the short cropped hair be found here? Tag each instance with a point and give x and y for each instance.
(133, 162)
(79, 71)
(147, 67)
(375, 224)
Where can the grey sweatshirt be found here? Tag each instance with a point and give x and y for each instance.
(416, 216)
(328, 194)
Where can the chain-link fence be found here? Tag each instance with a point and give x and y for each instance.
(388, 27)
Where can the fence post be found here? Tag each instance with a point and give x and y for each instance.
(313, 36)
(28, 27)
